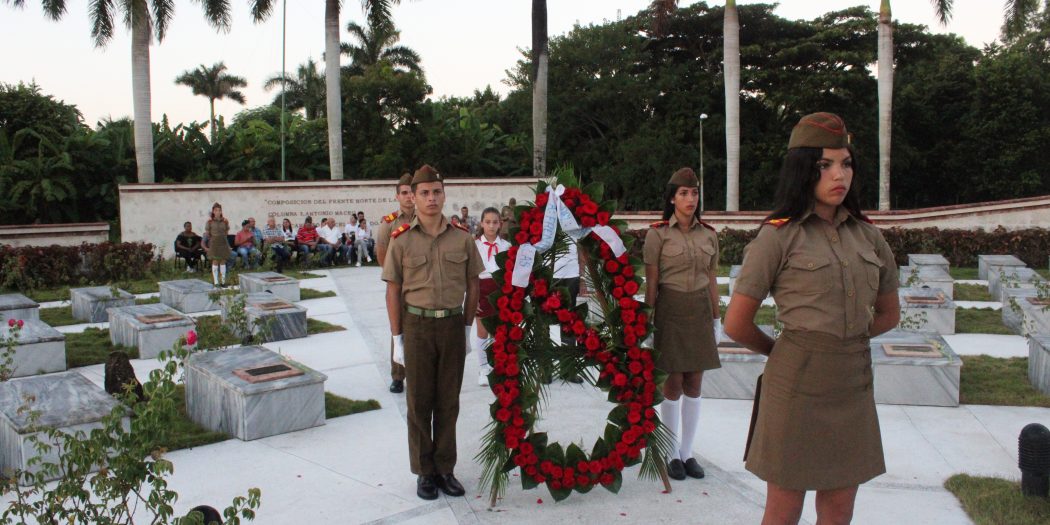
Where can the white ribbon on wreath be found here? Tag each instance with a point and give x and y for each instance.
(558, 214)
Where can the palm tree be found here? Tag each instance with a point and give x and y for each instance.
(662, 10)
(146, 19)
(213, 82)
(885, 69)
(540, 56)
(375, 44)
(334, 110)
(305, 91)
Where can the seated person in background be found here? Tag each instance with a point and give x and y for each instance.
(455, 221)
(273, 239)
(188, 246)
(350, 239)
(332, 236)
(244, 242)
(256, 232)
(364, 244)
(308, 240)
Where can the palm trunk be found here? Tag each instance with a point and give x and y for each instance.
(539, 88)
(332, 72)
(212, 121)
(885, 101)
(140, 40)
(731, 59)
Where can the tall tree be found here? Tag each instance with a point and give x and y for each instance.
(375, 44)
(540, 58)
(305, 91)
(146, 19)
(215, 84)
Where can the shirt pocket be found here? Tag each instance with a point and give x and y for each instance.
(872, 267)
(706, 253)
(415, 269)
(806, 275)
(455, 268)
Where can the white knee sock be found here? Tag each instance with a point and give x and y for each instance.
(222, 273)
(690, 421)
(215, 275)
(479, 345)
(670, 412)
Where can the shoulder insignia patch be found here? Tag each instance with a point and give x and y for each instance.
(390, 218)
(400, 229)
(708, 226)
(867, 220)
(777, 222)
(659, 224)
(460, 226)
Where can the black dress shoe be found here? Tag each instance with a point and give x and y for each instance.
(676, 470)
(450, 485)
(397, 386)
(425, 487)
(693, 469)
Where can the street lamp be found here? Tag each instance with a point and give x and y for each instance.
(703, 116)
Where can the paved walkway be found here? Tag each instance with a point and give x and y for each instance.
(355, 469)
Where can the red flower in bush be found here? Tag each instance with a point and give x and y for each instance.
(191, 337)
(11, 323)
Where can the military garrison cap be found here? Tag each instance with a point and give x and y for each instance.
(405, 180)
(820, 130)
(426, 174)
(684, 177)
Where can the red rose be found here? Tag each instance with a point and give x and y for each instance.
(503, 415)
(588, 222)
(612, 266)
(630, 340)
(592, 343)
(619, 380)
(628, 316)
(631, 287)
(11, 323)
(516, 334)
(617, 292)
(590, 208)
(628, 271)
(627, 303)
(606, 479)
(649, 427)
(516, 317)
(516, 304)
(603, 218)
(569, 203)
(552, 303)
(539, 288)
(191, 336)
(635, 367)
(503, 301)
(541, 199)
(526, 448)
(633, 417)
(578, 327)
(555, 484)
(512, 442)
(582, 480)
(564, 316)
(522, 237)
(536, 228)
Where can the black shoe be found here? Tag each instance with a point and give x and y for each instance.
(397, 386)
(576, 380)
(425, 487)
(449, 485)
(676, 470)
(693, 469)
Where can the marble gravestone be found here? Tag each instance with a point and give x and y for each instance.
(282, 286)
(915, 368)
(251, 392)
(1035, 316)
(18, 306)
(1012, 307)
(926, 310)
(90, 304)
(1012, 277)
(988, 264)
(1039, 362)
(188, 295)
(67, 401)
(39, 349)
(269, 316)
(152, 328)
(927, 277)
(928, 259)
(739, 373)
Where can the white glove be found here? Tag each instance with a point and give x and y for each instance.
(399, 349)
(466, 338)
(718, 331)
(648, 343)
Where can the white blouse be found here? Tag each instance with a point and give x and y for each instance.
(488, 253)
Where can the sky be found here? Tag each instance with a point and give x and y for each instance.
(465, 45)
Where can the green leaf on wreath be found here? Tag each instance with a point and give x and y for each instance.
(509, 465)
(555, 454)
(595, 191)
(659, 376)
(574, 455)
(608, 206)
(614, 487)
(538, 440)
(559, 494)
(527, 482)
(617, 415)
(583, 489)
(612, 435)
(599, 450)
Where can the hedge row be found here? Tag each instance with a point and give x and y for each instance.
(34, 267)
(960, 247)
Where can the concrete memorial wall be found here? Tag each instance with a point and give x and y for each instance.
(155, 212)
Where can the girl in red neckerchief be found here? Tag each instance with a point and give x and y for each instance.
(489, 243)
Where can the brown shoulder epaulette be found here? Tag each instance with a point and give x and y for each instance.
(390, 218)
(867, 220)
(400, 229)
(708, 226)
(777, 222)
(659, 224)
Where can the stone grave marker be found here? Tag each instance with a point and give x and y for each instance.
(928, 259)
(39, 349)
(1013, 277)
(18, 306)
(988, 264)
(90, 304)
(269, 316)
(188, 295)
(1039, 362)
(152, 328)
(280, 285)
(927, 277)
(926, 310)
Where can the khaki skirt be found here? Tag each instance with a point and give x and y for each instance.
(815, 425)
(685, 333)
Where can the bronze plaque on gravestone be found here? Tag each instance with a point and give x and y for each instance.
(268, 372)
(1037, 301)
(924, 299)
(276, 279)
(273, 305)
(159, 318)
(911, 350)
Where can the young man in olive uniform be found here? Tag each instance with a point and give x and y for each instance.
(404, 215)
(431, 270)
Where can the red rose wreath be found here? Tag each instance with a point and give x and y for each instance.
(522, 352)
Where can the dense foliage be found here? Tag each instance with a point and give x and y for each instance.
(623, 108)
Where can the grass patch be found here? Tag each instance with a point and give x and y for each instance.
(764, 316)
(972, 292)
(309, 293)
(991, 501)
(61, 316)
(315, 326)
(723, 290)
(92, 347)
(338, 406)
(963, 273)
(986, 380)
(980, 321)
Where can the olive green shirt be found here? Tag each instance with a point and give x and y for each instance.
(387, 228)
(683, 258)
(823, 276)
(433, 271)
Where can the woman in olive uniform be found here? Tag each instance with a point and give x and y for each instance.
(215, 231)
(681, 261)
(834, 281)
